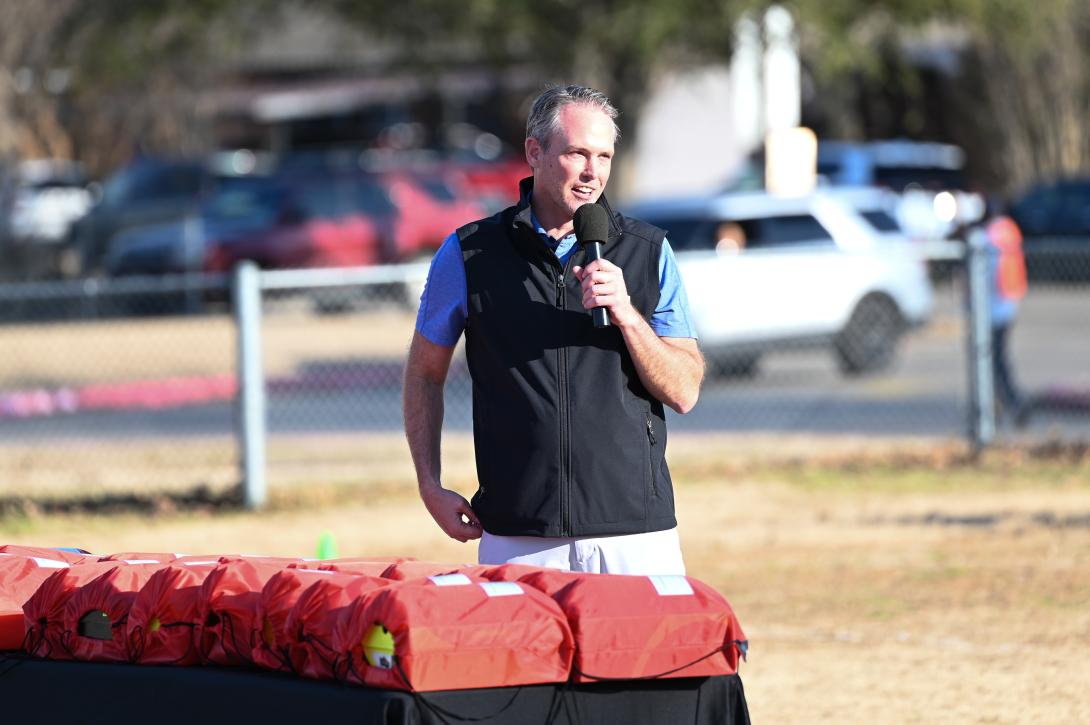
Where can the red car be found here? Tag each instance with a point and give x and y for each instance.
(336, 221)
(429, 208)
(344, 219)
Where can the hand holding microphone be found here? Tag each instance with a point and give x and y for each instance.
(591, 231)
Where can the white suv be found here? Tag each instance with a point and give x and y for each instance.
(765, 272)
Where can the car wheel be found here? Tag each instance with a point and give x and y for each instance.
(868, 341)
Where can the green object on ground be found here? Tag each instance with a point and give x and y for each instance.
(327, 546)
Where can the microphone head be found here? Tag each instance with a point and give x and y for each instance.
(591, 224)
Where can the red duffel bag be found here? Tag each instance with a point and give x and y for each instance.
(633, 627)
(165, 615)
(43, 613)
(308, 630)
(96, 616)
(278, 596)
(452, 632)
(228, 606)
(20, 577)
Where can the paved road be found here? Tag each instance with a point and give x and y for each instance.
(923, 394)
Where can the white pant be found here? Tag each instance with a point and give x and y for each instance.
(657, 552)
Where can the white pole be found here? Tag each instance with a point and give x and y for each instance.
(782, 75)
(251, 383)
(982, 423)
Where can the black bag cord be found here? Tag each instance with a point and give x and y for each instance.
(737, 643)
(232, 639)
(331, 660)
(66, 642)
(281, 655)
(138, 642)
(30, 648)
(559, 703)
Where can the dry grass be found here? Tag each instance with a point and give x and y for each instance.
(911, 587)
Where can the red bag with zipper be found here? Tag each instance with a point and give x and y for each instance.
(308, 629)
(632, 627)
(20, 577)
(165, 615)
(95, 618)
(278, 597)
(43, 613)
(453, 632)
(229, 598)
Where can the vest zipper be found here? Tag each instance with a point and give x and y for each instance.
(565, 419)
(651, 454)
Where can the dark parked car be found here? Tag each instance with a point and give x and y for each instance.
(151, 191)
(147, 191)
(236, 207)
(1055, 221)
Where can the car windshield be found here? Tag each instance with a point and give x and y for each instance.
(245, 201)
(698, 232)
(881, 220)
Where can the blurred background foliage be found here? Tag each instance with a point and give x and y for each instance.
(96, 81)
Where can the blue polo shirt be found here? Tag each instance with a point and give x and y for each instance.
(444, 307)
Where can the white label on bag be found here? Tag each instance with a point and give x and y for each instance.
(197, 563)
(450, 580)
(49, 563)
(671, 585)
(501, 589)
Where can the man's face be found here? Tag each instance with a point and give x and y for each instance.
(573, 167)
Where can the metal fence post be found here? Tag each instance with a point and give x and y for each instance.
(981, 381)
(251, 382)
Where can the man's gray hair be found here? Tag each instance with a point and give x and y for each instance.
(544, 118)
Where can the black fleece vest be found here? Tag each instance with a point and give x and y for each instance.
(568, 441)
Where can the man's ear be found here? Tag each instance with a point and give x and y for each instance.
(533, 152)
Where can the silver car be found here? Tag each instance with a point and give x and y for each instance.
(764, 272)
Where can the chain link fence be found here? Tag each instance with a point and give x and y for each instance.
(120, 385)
(107, 388)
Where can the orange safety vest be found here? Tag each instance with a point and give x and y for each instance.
(1007, 237)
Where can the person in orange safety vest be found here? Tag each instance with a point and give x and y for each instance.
(1007, 287)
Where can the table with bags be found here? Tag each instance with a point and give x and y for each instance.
(133, 636)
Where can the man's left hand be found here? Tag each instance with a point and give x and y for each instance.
(603, 286)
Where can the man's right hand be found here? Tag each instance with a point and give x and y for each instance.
(448, 509)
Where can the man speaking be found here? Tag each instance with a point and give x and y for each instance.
(568, 421)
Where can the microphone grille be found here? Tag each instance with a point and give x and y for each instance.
(591, 224)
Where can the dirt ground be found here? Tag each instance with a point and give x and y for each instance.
(900, 587)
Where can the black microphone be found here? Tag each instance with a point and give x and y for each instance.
(591, 230)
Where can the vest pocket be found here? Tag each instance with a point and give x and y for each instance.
(651, 455)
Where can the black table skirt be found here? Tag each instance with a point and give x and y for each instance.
(42, 691)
